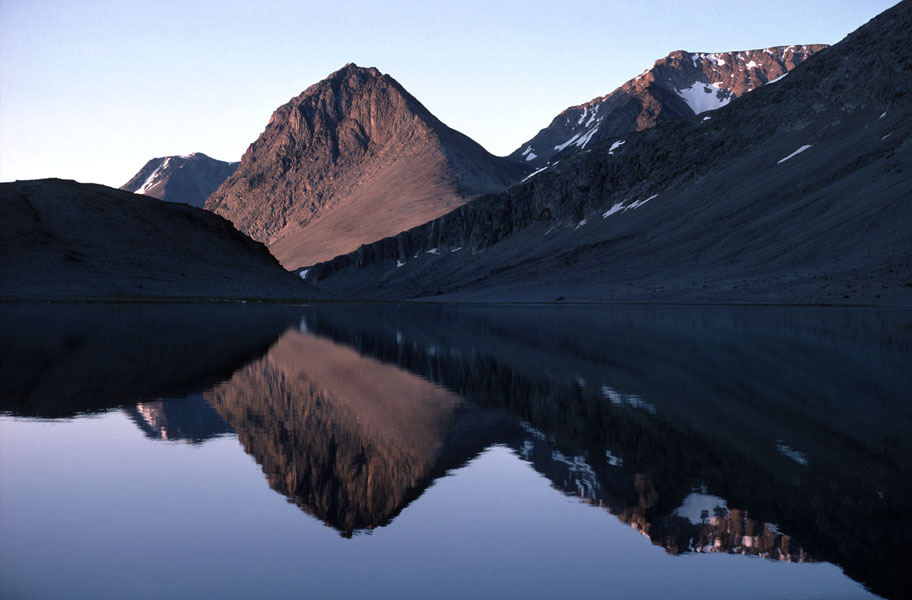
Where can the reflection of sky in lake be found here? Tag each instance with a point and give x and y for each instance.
(100, 510)
(470, 452)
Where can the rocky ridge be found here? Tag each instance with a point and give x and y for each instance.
(679, 86)
(61, 239)
(793, 193)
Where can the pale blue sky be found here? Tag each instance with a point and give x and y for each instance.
(91, 89)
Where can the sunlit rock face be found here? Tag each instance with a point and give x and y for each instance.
(351, 160)
(347, 438)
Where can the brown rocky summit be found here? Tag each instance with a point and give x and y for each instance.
(351, 160)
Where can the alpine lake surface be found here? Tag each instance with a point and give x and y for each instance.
(443, 451)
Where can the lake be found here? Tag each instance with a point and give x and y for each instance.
(414, 451)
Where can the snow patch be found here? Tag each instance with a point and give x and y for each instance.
(399, 263)
(580, 224)
(614, 209)
(456, 249)
(614, 461)
(702, 97)
(795, 153)
(433, 251)
(882, 115)
(621, 207)
(615, 146)
(304, 273)
(531, 156)
(698, 508)
(585, 139)
(633, 400)
(583, 116)
(751, 65)
(790, 452)
(592, 118)
(527, 150)
(152, 179)
(640, 203)
(886, 136)
(534, 173)
(560, 147)
(707, 118)
(777, 78)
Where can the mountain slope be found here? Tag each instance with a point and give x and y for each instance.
(189, 179)
(676, 87)
(721, 210)
(353, 159)
(62, 239)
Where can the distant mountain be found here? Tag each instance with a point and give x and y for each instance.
(797, 193)
(189, 179)
(681, 85)
(62, 239)
(353, 159)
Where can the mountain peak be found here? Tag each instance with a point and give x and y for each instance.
(351, 67)
(354, 144)
(188, 178)
(677, 86)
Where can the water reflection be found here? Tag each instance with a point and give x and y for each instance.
(797, 417)
(189, 419)
(778, 433)
(63, 360)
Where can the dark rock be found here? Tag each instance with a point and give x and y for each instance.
(62, 239)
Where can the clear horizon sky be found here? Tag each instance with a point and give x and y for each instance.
(91, 90)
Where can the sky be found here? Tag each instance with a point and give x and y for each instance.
(91, 90)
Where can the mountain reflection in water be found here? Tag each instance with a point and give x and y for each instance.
(779, 433)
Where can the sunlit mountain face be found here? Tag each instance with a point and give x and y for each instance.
(774, 435)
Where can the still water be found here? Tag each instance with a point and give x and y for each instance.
(408, 451)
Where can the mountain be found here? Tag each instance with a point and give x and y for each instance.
(795, 193)
(679, 86)
(189, 179)
(351, 160)
(62, 239)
